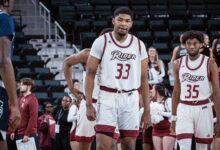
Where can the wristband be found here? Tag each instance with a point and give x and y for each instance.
(173, 118)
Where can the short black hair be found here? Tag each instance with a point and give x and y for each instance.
(123, 10)
(75, 80)
(161, 89)
(192, 34)
(45, 104)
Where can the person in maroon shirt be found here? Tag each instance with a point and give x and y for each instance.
(45, 123)
(28, 106)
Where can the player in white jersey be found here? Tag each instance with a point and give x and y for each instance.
(85, 132)
(196, 79)
(122, 59)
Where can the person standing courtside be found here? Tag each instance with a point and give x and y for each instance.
(7, 72)
(195, 82)
(62, 128)
(28, 106)
(123, 68)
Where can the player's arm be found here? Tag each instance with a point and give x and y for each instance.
(70, 61)
(215, 86)
(176, 89)
(214, 44)
(8, 77)
(175, 96)
(92, 65)
(175, 50)
(144, 90)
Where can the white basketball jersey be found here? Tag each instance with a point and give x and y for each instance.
(195, 82)
(120, 66)
(96, 84)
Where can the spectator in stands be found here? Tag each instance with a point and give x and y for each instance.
(62, 128)
(179, 51)
(162, 139)
(28, 105)
(156, 67)
(46, 126)
(206, 50)
(216, 55)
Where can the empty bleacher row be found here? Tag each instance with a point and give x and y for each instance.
(157, 22)
(27, 63)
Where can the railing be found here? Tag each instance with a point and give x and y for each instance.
(45, 14)
(57, 35)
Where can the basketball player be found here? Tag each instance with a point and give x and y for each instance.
(85, 132)
(196, 79)
(123, 67)
(7, 72)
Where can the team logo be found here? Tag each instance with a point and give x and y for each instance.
(1, 108)
(122, 56)
(192, 78)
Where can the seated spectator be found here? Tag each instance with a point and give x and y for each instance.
(46, 126)
(156, 67)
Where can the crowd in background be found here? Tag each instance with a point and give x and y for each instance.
(50, 137)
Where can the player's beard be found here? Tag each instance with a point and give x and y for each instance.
(194, 54)
(121, 34)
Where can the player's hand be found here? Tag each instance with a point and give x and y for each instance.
(217, 129)
(173, 128)
(12, 136)
(78, 94)
(15, 118)
(90, 112)
(146, 120)
(25, 139)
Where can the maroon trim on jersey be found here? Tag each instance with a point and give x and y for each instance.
(84, 68)
(208, 73)
(193, 69)
(84, 138)
(204, 140)
(93, 100)
(195, 103)
(184, 136)
(180, 65)
(104, 128)
(139, 44)
(104, 88)
(118, 44)
(103, 51)
(133, 133)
